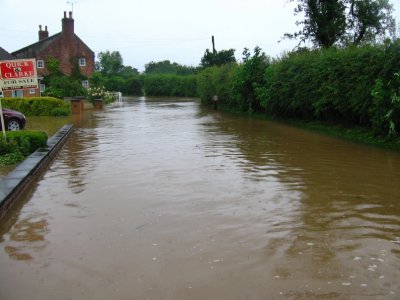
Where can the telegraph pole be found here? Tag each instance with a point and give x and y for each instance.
(213, 43)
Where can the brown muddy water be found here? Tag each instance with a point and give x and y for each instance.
(167, 200)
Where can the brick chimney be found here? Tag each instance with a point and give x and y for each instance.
(43, 34)
(68, 25)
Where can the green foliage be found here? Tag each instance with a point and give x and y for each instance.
(128, 81)
(343, 22)
(170, 85)
(110, 63)
(94, 93)
(324, 21)
(53, 65)
(133, 85)
(235, 85)
(19, 145)
(166, 67)
(54, 92)
(356, 86)
(248, 78)
(217, 58)
(329, 85)
(38, 106)
(369, 20)
(59, 85)
(217, 81)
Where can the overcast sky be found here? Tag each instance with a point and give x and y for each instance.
(156, 30)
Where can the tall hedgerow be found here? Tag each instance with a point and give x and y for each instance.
(217, 81)
(355, 86)
(170, 85)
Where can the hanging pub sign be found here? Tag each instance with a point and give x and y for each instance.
(18, 74)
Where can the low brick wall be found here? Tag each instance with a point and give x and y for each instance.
(18, 181)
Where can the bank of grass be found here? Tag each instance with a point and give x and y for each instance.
(355, 134)
(19, 145)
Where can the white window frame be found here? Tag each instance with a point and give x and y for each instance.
(42, 87)
(85, 84)
(82, 62)
(40, 64)
(32, 91)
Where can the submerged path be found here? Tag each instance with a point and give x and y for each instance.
(165, 200)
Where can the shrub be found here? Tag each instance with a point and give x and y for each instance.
(20, 144)
(170, 85)
(355, 86)
(217, 81)
(37, 106)
(94, 93)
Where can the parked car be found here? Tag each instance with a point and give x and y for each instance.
(13, 120)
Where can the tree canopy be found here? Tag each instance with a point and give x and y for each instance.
(217, 58)
(109, 62)
(166, 67)
(343, 22)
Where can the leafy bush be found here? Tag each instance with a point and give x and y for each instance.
(355, 86)
(217, 81)
(248, 78)
(61, 86)
(347, 86)
(38, 106)
(170, 85)
(94, 93)
(235, 85)
(20, 144)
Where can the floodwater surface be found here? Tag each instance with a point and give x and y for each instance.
(163, 199)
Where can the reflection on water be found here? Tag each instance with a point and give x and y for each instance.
(167, 200)
(25, 236)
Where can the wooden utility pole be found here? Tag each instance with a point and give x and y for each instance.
(213, 43)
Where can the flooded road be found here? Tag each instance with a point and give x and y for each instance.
(167, 200)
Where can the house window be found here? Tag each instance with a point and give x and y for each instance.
(40, 64)
(17, 93)
(82, 62)
(42, 87)
(32, 91)
(85, 84)
(1, 94)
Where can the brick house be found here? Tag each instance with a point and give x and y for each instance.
(65, 46)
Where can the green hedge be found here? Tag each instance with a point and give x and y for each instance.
(38, 106)
(19, 145)
(170, 85)
(358, 86)
(218, 81)
(354, 86)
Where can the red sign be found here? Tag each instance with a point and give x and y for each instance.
(18, 74)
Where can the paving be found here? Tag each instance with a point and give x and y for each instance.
(15, 183)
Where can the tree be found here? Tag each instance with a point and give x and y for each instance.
(369, 20)
(166, 67)
(217, 58)
(248, 78)
(343, 22)
(110, 63)
(128, 71)
(324, 22)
